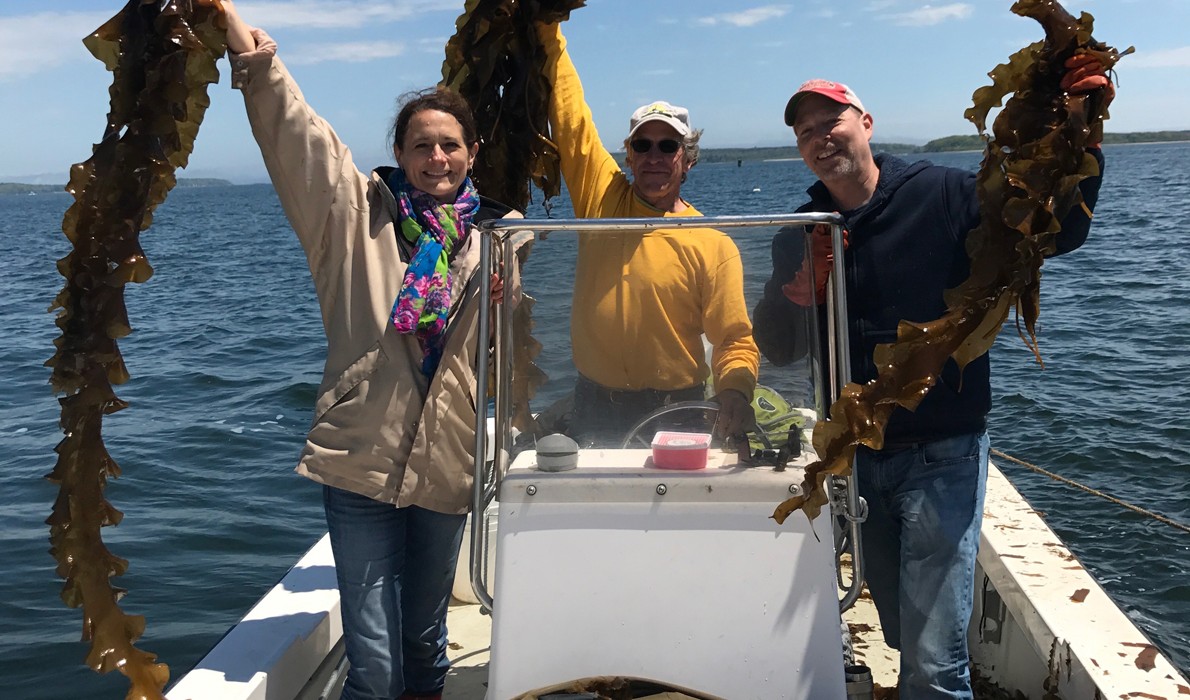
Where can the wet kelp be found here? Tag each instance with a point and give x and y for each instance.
(495, 61)
(1028, 181)
(162, 56)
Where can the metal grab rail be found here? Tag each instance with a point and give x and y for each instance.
(499, 231)
(855, 511)
(483, 360)
(652, 223)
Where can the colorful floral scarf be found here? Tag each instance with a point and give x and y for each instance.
(423, 304)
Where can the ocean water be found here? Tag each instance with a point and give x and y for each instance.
(227, 352)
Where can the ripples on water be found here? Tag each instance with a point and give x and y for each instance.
(225, 358)
(227, 352)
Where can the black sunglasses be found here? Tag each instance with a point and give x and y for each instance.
(666, 146)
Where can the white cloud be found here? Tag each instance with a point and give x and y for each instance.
(747, 18)
(1168, 58)
(32, 43)
(321, 14)
(345, 52)
(431, 45)
(41, 41)
(929, 15)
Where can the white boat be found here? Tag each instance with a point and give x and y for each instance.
(620, 569)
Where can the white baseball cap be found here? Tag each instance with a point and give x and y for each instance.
(677, 117)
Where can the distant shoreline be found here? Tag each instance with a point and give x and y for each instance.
(27, 188)
(708, 155)
(948, 144)
(882, 149)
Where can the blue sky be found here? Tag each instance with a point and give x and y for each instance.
(733, 65)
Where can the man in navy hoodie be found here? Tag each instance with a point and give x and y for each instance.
(906, 229)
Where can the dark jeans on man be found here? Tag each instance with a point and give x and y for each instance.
(925, 506)
(603, 416)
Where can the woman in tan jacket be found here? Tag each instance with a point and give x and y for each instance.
(394, 259)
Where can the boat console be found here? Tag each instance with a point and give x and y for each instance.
(617, 568)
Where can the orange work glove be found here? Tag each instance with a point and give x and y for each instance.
(803, 290)
(1085, 73)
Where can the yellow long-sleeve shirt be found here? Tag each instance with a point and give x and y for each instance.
(643, 300)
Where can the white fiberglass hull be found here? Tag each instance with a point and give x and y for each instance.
(1041, 622)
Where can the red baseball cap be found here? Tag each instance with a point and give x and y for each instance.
(836, 91)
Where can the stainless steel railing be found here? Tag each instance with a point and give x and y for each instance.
(497, 234)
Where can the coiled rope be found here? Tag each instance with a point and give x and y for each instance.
(1070, 482)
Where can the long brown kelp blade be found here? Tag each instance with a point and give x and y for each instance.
(1028, 181)
(495, 60)
(162, 57)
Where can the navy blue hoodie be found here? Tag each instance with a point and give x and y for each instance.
(906, 247)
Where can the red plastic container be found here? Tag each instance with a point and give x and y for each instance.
(674, 450)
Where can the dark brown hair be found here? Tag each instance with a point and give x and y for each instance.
(436, 98)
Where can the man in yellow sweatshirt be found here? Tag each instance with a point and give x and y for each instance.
(643, 301)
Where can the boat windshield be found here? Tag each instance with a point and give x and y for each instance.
(615, 333)
(622, 319)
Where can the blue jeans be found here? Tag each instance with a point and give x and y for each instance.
(395, 568)
(925, 505)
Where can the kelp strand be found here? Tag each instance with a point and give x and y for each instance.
(495, 60)
(162, 56)
(1028, 181)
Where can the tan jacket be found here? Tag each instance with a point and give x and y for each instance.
(381, 428)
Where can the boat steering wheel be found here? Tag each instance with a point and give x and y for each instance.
(709, 409)
(635, 438)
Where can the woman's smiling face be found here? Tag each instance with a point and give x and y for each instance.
(434, 155)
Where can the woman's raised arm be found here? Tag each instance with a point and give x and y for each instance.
(239, 34)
